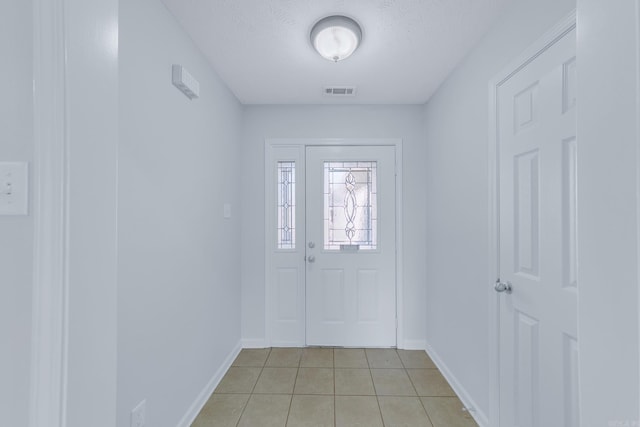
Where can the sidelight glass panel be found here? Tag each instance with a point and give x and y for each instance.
(286, 214)
(350, 206)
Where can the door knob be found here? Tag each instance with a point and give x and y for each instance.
(312, 245)
(311, 258)
(503, 287)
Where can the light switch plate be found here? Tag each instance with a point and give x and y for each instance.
(227, 210)
(14, 188)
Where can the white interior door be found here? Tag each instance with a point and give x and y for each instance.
(350, 246)
(537, 156)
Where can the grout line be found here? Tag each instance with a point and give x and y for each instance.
(406, 371)
(335, 398)
(243, 409)
(335, 421)
(401, 361)
(297, 374)
(254, 387)
(425, 411)
(380, 410)
(333, 373)
(261, 371)
(367, 359)
(375, 390)
(290, 403)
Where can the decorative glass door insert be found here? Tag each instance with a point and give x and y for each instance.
(350, 205)
(286, 209)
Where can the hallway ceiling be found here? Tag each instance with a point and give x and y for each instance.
(261, 48)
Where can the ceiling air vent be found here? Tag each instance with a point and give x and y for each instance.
(339, 91)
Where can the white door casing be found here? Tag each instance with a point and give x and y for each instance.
(285, 268)
(351, 291)
(536, 153)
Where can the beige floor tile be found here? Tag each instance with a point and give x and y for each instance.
(284, 357)
(266, 410)
(383, 358)
(447, 412)
(357, 411)
(252, 357)
(222, 410)
(311, 411)
(276, 381)
(317, 358)
(314, 381)
(350, 358)
(239, 380)
(403, 411)
(416, 359)
(430, 382)
(317, 387)
(392, 382)
(354, 382)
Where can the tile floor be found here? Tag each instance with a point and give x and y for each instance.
(317, 387)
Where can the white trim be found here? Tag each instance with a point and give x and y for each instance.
(413, 345)
(268, 218)
(285, 344)
(399, 245)
(332, 141)
(638, 158)
(494, 267)
(208, 390)
(255, 343)
(50, 328)
(536, 49)
(304, 142)
(471, 406)
(638, 163)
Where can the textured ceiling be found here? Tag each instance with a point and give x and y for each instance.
(261, 48)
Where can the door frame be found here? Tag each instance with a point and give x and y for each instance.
(302, 143)
(562, 28)
(50, 306)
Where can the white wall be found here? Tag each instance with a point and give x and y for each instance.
(608, 171)
(178, 259)
(457, 258)
(261, 122)
(92, 138)
(16, 243)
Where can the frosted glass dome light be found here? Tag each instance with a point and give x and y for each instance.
(336, 37)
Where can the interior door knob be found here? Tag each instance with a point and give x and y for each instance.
(503, 287)
(311, 258)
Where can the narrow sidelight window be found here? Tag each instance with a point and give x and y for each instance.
(286, 215)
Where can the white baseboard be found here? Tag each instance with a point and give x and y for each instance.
(287, 344)
(477, 414)
(413, 345)
(204, 395)
(259, 343)
(254, 343)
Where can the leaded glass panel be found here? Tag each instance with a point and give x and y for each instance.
(286, 214)
(350, 206)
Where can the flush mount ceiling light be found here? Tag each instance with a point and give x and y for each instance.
(336, 37)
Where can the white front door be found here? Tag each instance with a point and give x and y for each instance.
(537, 179)
(350, 246)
